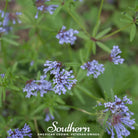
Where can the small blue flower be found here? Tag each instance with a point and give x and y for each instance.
(94, 68)
(25, 131)
(115, 55)
(32, 63)
(43, 86)
(3, 22)
(41, 6)
(49, 117)
(119, 117)
(2, 75)
(6, 18)
(34, 86)
(13, 17)
(52, 66)
(31, 88)
(67, 36)
(63, 81)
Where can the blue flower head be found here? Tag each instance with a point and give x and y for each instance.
(6, 18)
(66, 36)
(63, 81)
(93, 68)
(119, 117)
(20, 133)
(42, 7)
(34, 86)
(116, 58)
(52, 66)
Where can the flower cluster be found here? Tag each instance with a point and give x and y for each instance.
(33, 86)
(119, 117)
(13, 17)
(6, 18)
(62, 80)
(41, 6)
(94, 68)
(66, 36)
(114, 55)
(17, 133)
(52, 66)
(3, 22)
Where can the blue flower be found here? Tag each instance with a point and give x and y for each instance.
(25, 131)
(66, 36)
(34, 86)
(49, 117)
(63, 81)
(52, 66)
(115, 55)
(31, 88)
(94, 68)
(44, 86)
(3, 22)
(13, 17)
(32, 63)
(6, 18)
(41, 6)
(119, 117)
(2, 75)
(60, 82)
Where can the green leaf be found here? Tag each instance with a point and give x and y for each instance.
(95, 30)
(102, 33)
(83, 35)
(77, 92)
(10, 41)
(103, 46)
(94, 47)
(39, 109)
(132, 32)
(14, 67)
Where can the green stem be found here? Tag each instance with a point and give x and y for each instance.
(4, 50)
(98, 19)
(77, 21)
(6, 5)
(100, 10)
(115, 32)
(81, 110)
(36, 127)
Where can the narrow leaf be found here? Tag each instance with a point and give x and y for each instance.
(102, 33)
(132, 32)
(104, 47)
(10, 41)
